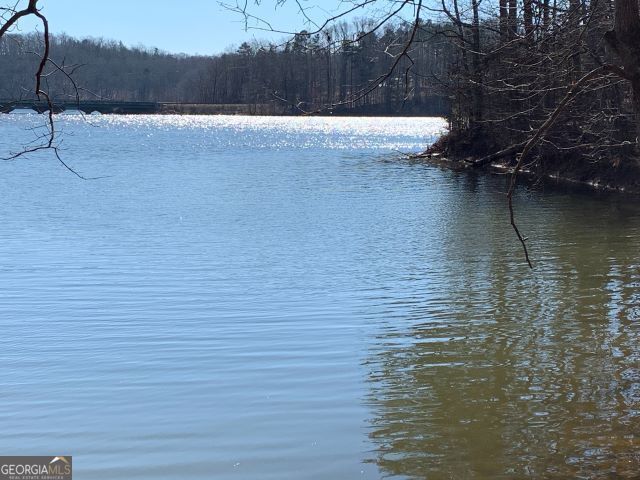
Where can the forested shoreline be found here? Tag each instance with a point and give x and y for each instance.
(322, 72)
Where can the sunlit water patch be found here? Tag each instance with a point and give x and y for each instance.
(359, 133)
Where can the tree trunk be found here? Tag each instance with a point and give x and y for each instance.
(528, 19)
(513, 19)
(625, 41)
(477, 73)
(636, 106)
(504, 19)
(574, 23)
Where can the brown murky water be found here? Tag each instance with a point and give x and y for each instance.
(491, 371)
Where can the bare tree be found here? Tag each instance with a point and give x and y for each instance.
(10, 16)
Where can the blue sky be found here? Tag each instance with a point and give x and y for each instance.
(189, 26)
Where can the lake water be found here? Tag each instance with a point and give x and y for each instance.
(290, 298)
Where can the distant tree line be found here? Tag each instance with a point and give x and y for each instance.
(101, 69)
(331, 70)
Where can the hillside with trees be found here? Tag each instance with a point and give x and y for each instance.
(331, 71)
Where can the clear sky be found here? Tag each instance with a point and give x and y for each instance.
(187, 26)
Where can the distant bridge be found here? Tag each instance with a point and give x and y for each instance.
(103, 106)
(40, 106)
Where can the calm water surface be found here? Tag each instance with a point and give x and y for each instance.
(288, 298)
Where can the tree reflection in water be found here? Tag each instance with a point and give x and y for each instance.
(485, 370)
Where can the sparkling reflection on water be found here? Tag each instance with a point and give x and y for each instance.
(254, 297)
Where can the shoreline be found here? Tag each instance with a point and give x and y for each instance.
(109, 107)
(573, 173)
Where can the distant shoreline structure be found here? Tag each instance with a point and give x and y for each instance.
(171, 108)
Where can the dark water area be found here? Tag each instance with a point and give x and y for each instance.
(264, 297)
